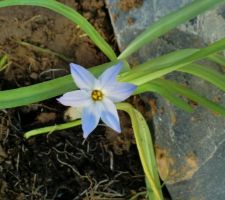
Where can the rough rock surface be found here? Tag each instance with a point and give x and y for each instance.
(190, 148)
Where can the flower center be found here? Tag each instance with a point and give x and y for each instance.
(97, 95)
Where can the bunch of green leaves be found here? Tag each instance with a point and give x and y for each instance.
(147, 76)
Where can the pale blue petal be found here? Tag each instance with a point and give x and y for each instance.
(78, 98)
(97, 85)
(109, 115)
(120, 91)
(90, 118)
(108, 77)
(82, 77)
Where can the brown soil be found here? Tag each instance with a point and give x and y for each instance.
(61, 165)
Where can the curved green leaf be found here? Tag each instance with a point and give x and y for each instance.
(51, 129)
(184, 91)
(217, 58)
(145, 149)
(70, 14)
(205, 73)
(167, 23)
(3, 61)
(144, 76)
(166, 93)
(41, 91)
(165, 60)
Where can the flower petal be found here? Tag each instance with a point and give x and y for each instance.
(82, 77)
(109, 115)
(78, 98)
(90, 118)
(120, 91)
(108, 77)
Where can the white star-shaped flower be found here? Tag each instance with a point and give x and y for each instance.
(96, 97)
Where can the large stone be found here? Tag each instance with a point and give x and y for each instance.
(190, 148)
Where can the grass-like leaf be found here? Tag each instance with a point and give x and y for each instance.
(3, 61)
(51, 129)
(145, 149)
(41, 91)
(44, 50)
(169, 22)
(165, 60)
(144, 76)
(205, 73)
(184, 91)
(170, 95)
(217, 58)
(72, 15)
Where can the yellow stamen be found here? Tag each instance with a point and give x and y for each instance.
(97, 95)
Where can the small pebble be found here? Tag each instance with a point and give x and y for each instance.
(34, 75)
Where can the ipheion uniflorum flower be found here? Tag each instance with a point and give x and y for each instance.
(97, 97)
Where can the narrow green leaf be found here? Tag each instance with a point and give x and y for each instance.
(169, 59)
(72, 15)
(51, 129)
(165, 60)
(158, 63)
(205, 73)
(145, 149)
(3, 62)
(45, 50)
(34, 93)
(184, 91)
(41, 91)
(142, 77)
(219, 59)
(166, 93)
(169, 22)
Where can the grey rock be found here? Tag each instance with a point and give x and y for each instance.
(129, 24)
(190, 148)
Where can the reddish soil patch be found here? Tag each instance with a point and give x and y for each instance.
(61, 165)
